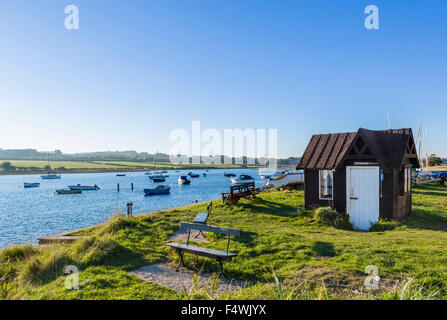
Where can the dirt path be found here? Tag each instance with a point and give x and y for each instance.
(164, 274)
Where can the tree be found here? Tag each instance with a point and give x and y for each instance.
(7, 166)
(47, 168)
(434, 160)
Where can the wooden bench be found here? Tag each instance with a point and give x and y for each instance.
(220, 256)
(202, 217)
(239, 191)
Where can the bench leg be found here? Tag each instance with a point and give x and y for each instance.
(200, 233)
(220, 266)
(181, 263)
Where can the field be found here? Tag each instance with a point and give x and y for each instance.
(30, 166)
(310, 260)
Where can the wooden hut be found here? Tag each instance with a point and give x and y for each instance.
(366, 174)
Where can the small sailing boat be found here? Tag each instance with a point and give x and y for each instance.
(50, 176)
(183, 180)
(161, 189)
(120, 175)
(157, 176)
(31, 185)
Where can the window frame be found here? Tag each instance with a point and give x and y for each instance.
(407, 174)
(331, 172)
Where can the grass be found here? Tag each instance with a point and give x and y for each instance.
(282, 254)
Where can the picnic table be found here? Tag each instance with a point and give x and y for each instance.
(244, 190)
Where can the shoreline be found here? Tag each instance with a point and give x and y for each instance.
(117, 170)
(73, 233)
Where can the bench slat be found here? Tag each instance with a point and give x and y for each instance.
(204, 252)
(204, 227)
(201, 217)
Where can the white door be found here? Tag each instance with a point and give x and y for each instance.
(362, 192)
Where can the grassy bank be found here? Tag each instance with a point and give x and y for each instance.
(310, 260)
(61, 167)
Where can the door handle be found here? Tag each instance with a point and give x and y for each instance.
(354, 198)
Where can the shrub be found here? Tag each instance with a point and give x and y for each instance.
(384, 225)
(328, 216)
(300, 212)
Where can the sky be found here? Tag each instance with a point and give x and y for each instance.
(136, 70)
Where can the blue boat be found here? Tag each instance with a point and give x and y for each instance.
(31, 185)
(161, 189)
(229, 174)
(193, 175)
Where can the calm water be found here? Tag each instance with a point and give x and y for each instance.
(26, 214)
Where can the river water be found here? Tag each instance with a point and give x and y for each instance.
(27, 214)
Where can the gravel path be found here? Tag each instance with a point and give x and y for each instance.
(164, 274)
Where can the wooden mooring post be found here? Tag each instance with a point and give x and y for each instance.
(129, 209)
(118, 187)
(131, 186)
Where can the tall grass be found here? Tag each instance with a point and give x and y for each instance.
(409, 289)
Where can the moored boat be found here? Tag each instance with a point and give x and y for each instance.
(84, 188)
(50, 176)
(31, 185)
(243, 178)
(158, 179)
(193, 175)
(183, 180)
(63, 191)
(161, 189)
(120, 175)
(229, 174)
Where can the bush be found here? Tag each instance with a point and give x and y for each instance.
(384, 225)
(300, 212)
(328, 216)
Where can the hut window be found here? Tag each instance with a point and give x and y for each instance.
(326, 184)
(407, 179)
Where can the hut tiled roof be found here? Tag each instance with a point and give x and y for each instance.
(327, 151)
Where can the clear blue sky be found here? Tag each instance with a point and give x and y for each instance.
(137, 69)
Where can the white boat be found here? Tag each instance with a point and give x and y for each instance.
(183, 180)
(243, 178)
(31, 185)
(84, 188)
(285, 179)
